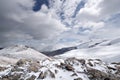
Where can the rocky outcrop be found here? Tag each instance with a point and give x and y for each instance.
(58, 69)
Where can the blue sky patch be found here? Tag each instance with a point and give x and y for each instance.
(39, 3)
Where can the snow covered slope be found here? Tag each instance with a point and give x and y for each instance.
(14, 53)
(107, 50)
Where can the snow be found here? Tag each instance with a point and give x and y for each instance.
(14, 53)
(103, 51)
(62, 74)
(106, 53)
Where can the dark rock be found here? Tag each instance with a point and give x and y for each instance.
(82, 61)
(96, 74)
(74, 74)
(42, 75)
(90, 64)
(21, 62)
(78, 79)
(51, 74)
(34, 66)
(111, 68)
(116, 63)
(32, 77)
(69, 68)
(12, 77)
(107, 79)
(56, 71)
(2, 68)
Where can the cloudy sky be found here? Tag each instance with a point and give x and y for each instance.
(45, 23)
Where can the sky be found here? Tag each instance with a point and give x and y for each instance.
(47, 24)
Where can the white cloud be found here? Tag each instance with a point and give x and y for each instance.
(96, 15)
(110, 7)
(19, 22)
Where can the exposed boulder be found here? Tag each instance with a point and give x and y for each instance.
(96, 74)
(78, 79)
(69, 68)
(42, 75)
(32, 77)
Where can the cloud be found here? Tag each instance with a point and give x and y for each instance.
(99, 16)
(19, 22)
(110, 7)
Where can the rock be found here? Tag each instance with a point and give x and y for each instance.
(16, 68)
(52, 74)
(15, 76)
(2, 68)
(56, 71)
(98, 60)
(34, 66)
(111, 68)
(42, 75)
(107, 79)
(90, 64)
(82, 61)
(74, 74)
(116, 63)
(21, 62)
(69, 68)
(96, 74)
(78, 79)
(32, 77)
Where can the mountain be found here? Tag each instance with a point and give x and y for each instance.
(21, 62)
(107, 50)
(59, 51)
(13, 53)
(87, 45)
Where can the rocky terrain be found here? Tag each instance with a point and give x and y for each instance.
(60, 69)
(21, 62)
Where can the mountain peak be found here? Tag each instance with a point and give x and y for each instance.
(20, 52)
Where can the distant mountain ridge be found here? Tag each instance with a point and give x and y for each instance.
(84, 45)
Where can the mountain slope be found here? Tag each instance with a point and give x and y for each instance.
(17, 52)
(59, 51)
(107, 53)
(93, 48)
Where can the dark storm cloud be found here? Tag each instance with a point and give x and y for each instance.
(19, 22)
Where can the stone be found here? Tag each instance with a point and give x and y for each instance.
(42, 75)
(90, 64)
(21, 62)
(78, 79)
(52, 74)
(82, 61)
(32, 77)
(69, 68)
(12, 77)
(94, 74)
(2, 68)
